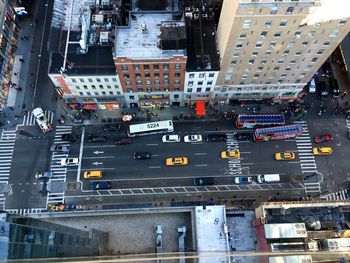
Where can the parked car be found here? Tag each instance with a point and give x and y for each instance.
(323, 138)
(322, 150)
(100, 185)
(230, 154)
(244, 136)
(217, 137)
(97, 138)
(334, 88)
(61, 148)
(243, 180)
(322, 89)
(203, 181)
(69, 161)
(43, 175)
(112, 128)
(193, 138)
(93, 174)
(176, 161)
(70, 138)
(171, 138)
(284, 156)
(141, 155)
(123, 141)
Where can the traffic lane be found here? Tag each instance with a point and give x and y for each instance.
(260, 157)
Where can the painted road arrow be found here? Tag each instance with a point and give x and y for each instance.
(97, 152)
(96, 163)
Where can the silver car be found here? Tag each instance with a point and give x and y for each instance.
(61, 148)
(171, 138)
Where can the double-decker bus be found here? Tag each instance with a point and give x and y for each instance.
(252, 120)
(278, 133)
(150, 128)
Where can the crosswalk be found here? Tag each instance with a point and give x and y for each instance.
(29, 119)
(59, 172)
(348, 124)
(234, 165)
(340, 195)
(304, 148)
(7, 144)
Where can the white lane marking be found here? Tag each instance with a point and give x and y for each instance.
(80, 154)
(99, 157)
(293, 162)
(100, 168)
(154, 155)
(246, 152)
(98, 146)
(247, 163)
(154, 167)
(198, 165)
(200, 154)
(152, 144)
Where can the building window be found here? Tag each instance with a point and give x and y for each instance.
(114, 79)
(342, 22)
(251, 61)
(201, 75)
(297, 34)
(190, 83)
(268, 53)
(233, 62)
(165, 66)
(199, 90)
(165, 75)
(176, 82)
(273, 10)
(177, 75)
(272, 43)
(131, 97)
(246, 23)
(146, 67)
(176, 96)
(207, 89)
(189, 90)
(138, 75)
(320, 51)
(298, 53)
(93, 86)
(148, 82)
(138, 82)
(191, 76)
(126, 76)
(156, 67)
(283, 22)
(257, 45)
(88, 93)
(147, 75)
(327, 43)
(103, 93)
(81, 93)
(77, 87)
(277, 34)
(276, 68)
(128, 83)
(210, 82)
(74, 81)
(136, 67)
(313, 60)
(291, 44)
(156, 82)
(200, 82)
(177, 66)
(286, 52)
(289, 10)
(111, 93)
(109, 87)
(106, 79)
(236, 54)
(263, 62)
(311, 33)
(90, 80)
(293, 61)
(239, 44)
(124, 67)
(243, 35)
(81, 80)
(211, 75)
(98, 79)
(334, 33)
(305, 43)
(268, 23)
(139, 89)
(156, 75)
(166, 82)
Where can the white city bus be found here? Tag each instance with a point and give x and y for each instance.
(150, 128)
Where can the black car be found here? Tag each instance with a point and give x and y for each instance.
(322, 89)
(334, 88)
(97, 138)
(141, 155)
(217, 137)
(243, 136)
(70, 138)
(123, 141)
(203, 181)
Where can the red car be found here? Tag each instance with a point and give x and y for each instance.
(323, 138)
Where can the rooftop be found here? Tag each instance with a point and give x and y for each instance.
(141, 39)
(98, 59)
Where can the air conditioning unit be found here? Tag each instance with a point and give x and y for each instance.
(297, 36)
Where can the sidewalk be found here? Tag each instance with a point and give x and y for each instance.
(20, 95)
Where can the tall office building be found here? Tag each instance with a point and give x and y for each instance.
(272, 48)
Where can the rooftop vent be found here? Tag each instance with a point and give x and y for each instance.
(143, 28)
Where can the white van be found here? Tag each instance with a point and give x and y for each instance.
(312, 86)
(268, 178)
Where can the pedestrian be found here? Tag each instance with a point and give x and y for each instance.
(22, 38)
(15, 74)
(21, 60)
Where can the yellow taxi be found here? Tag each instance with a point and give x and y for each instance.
(284, 156)
(176, 161)
(93, 174)
(232, 154)
(322, 150)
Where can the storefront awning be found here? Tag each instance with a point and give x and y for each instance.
(89, 106)
(200, 108)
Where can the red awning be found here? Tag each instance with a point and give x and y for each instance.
(89, 106)
(200, 108)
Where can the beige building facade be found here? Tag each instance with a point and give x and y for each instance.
(271, 49)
